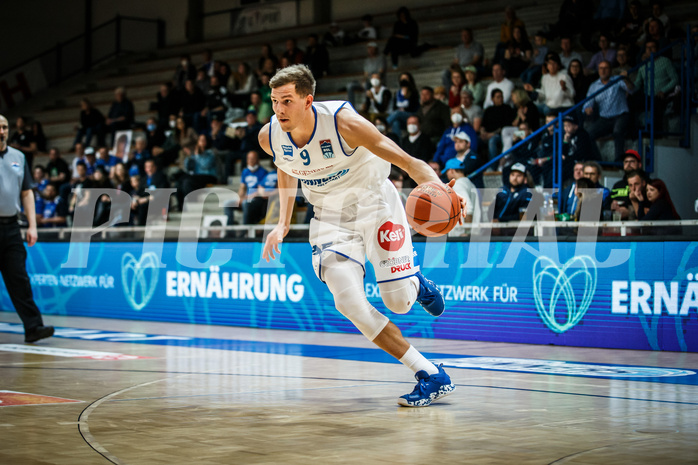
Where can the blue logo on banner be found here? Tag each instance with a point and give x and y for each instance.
(326, 146)
(288, 152)
(139, 278)
(547, 276)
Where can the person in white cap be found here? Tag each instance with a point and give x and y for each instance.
(464, 187)
(512, 198)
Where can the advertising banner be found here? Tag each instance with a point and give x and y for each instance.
(265, 17)
(630, 295)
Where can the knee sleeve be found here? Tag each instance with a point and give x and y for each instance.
(400, 295)
(345, 280)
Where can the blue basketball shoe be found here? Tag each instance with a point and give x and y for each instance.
(429, 296)
(428, 389)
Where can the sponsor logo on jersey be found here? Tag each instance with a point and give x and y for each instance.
(310, 172)
(326, 147)
(16, 166)
(403, 267)
(391, 236)
(288, 152)
(324, 181)
(394, 261)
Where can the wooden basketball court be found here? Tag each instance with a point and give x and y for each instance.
(131, 392)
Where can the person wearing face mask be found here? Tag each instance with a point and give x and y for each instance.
(154, 136)
(434, 114)
(384, 129)
(416, 143)
(377, 99)
(445, 150)
(405, 103)
(167, 104)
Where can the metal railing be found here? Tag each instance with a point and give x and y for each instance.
(107, 40)
(688, 102)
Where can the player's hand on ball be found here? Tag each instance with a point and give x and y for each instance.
(451, 183)
(271, 244)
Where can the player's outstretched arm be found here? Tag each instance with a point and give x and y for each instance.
(288, 186)
(358, 131)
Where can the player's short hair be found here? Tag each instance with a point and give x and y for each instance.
(300, 75)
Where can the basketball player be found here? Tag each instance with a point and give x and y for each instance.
(343, 163)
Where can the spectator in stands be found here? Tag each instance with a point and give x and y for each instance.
(405, 103)
(434, 115)
(184, 137)
(544, 155)
(216, 103)
(576, 145)
(100, 180)
(566, 54)
(495, 118)
(139, 156)
(468, 53)
(622, 62)
(167, 104)
(471, 112)
(567, 200)
(661, 209)
(592, 171)
(404, 37)
(51, 209)
(609, 14)
(209, 65)
(261, 107)
(79, 156)
(152, 179)
(40, 179)
(473, 84)
(39, 136)
(202, 82)
(455, 169)
(416, 143)
(335, 37)
(510, 200)
(193, 103)
(154, 135)
(22, 139)
(620, 194)
(606, 53)
(316, 57)
(224, 73)
(517, 53)
(658, 14)
(654, 31)
(121, 113)
(583, 190)
(526, 112)
(580, 81)
(608, 112)
(373, 63)
(575, 17)
(57, 169)
(252, 177)
(524, 153)
(457, 83)
(445, 149)
(383, 127)
(539, 50)
(556, 87)
(267, 62)
(91, 124)
(468, 157)
(499, 81)
(440, 94)
(78, 184)
(120, 179)
(637, 196)
(250, 141)
(200, 169)
(368, 31)
(377, 99)
(104, 159)
(506, 32)
(184, 72)
(241, 85)
(293, 54)
(665, 81)
(630, 28)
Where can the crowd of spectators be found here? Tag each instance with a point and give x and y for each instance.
(209, 114)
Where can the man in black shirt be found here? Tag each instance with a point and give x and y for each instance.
(121, 114)
(416, 143)
(23, 140)
(193, 102)
(57, 168)
(495, 118)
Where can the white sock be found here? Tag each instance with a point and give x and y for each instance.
(415, 361)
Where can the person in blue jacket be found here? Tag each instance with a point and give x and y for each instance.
(445, 150)
(511, 199)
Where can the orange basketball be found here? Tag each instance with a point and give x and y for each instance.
(433, 209)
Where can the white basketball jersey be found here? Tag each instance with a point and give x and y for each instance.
(332, 174)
